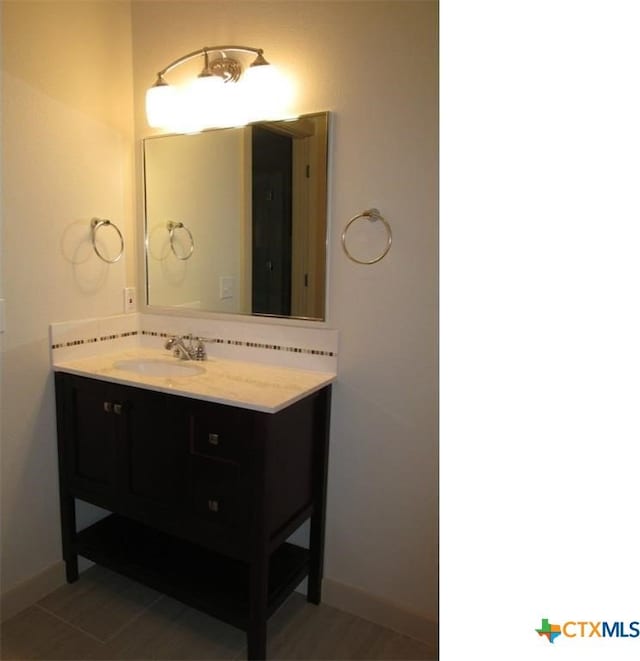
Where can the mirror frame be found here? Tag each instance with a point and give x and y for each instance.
(174, 310)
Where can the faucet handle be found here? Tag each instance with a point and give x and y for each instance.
(200, 351)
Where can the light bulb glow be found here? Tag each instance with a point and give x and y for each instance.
(160, 104)
(268, 93)
(200, 99)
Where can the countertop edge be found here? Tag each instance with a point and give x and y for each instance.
(326, 379)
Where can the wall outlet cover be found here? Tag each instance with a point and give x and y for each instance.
(129, 299)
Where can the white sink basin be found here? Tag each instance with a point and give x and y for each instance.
(159, 367)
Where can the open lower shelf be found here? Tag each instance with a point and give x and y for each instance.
(210, 582)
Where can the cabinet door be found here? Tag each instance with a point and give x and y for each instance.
(124, 446)
(91, 436)
(156, 446)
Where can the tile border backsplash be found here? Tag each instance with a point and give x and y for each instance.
(242, 343)
(287, 346)
(92, 340)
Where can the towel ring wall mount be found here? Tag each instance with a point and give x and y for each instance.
(96, 224)
(372, 215)
(172, 227)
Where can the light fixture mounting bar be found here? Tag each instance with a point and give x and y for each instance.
(206, 50)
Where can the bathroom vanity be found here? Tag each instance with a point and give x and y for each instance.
(203, 492)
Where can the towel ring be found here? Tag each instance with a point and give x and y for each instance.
(96, 224)
(372, 215)
(172, 227)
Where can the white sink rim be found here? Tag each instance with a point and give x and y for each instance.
(159, 367)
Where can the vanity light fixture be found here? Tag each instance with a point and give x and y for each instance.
(235, 86)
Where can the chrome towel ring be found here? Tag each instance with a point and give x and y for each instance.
(372, 215)
(172, 227)
(96, 224)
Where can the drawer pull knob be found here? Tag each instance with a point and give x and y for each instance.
(117, 409)
(107, 407)
(213, 505)
(214, 439)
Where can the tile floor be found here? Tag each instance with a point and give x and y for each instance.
(108, 617)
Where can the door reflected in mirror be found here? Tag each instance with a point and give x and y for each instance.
(236, 219)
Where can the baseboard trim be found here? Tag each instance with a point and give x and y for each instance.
(385, 613)
(32, 590)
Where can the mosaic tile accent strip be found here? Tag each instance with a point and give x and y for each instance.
(93, 340)
(253, 345)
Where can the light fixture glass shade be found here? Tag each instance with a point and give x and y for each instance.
(200, 99)
(160, 105)
(221, 96)
(233, 110)
(268, 94)
(209, 102)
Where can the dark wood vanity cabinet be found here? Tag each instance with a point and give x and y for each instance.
(203, 496)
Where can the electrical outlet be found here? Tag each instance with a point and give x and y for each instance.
(129, 299)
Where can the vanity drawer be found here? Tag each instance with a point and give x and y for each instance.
(220, 432)
(217, 493)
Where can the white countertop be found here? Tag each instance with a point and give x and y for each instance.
(248, 385)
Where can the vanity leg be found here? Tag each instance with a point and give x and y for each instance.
(71, 569)
(68, 520)
(258, 594)
(321, 463)
(316, 553)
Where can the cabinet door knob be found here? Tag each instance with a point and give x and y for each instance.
(117, 409)
(107, 407)
(214, 439)
(213, 505)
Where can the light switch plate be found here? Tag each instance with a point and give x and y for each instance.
(226, 286)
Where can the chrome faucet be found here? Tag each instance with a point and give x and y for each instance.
(189, 352)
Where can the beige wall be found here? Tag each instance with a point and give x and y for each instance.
(66, 156)
(374, 66)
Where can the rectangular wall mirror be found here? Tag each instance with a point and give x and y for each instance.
(236, 219)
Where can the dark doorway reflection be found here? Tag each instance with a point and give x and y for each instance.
(272, 157)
